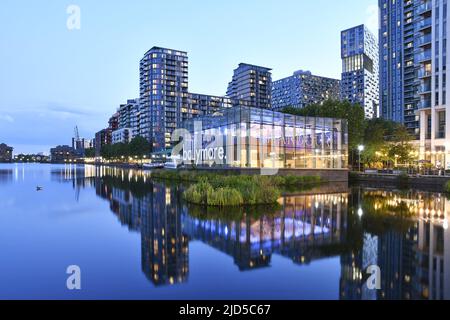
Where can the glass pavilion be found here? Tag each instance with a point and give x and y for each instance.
(246, 137)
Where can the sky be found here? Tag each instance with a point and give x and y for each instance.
(53, 78)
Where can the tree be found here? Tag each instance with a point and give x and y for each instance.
(401, 150)
(89, 153)
(387, 142)
(139, 147)
(107, 152)
(376, 151)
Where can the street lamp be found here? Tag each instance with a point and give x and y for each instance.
(360, 149)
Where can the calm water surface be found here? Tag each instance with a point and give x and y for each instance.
(137, 239)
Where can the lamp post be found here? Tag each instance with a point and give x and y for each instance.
(360, 149)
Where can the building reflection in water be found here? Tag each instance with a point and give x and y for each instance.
(6, 176)
(413, 252)
(304, 228)
(404, 233)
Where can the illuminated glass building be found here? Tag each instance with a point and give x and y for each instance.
(360, 71)
(245, 137)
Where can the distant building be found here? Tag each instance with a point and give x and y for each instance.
(252, 86)
(129, 116)
(124, 135)
(32, 158)
(203, 104)
(5, 153)
(302, 89)
(62, 154)
(102, 138)
(360, 69)
(113, 122)
(80, 145)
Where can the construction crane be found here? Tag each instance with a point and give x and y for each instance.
(77, 142)
(76, 134)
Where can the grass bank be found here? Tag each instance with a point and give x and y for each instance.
(219, 190)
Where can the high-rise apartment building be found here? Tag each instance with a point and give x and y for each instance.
(163, 94)
(360, 69)
(251, 85)
(400, 30)
(431, 57)
(413, 53)
(302, 89)
(165, 101)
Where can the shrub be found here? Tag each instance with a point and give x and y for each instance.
(224, 197)
(198, 193)
(219, 190)
(447, 187)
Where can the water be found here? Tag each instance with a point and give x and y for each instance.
(135, 239)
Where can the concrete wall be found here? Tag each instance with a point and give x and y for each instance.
(426, 181)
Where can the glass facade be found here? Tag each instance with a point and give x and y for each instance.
(245, 137)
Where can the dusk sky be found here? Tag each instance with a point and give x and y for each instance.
(53, 78)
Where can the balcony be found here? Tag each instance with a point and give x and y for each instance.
(425, 104)
(424, 24)
(423, 73)
(409, 95)
(424, 56)
(425, 88)
(424, 7)
(424, 40)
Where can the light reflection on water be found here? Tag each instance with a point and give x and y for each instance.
(404, 233)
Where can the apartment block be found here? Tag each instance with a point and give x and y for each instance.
(163, 94)
(302, 89)
(360, 69)
(251, 86)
